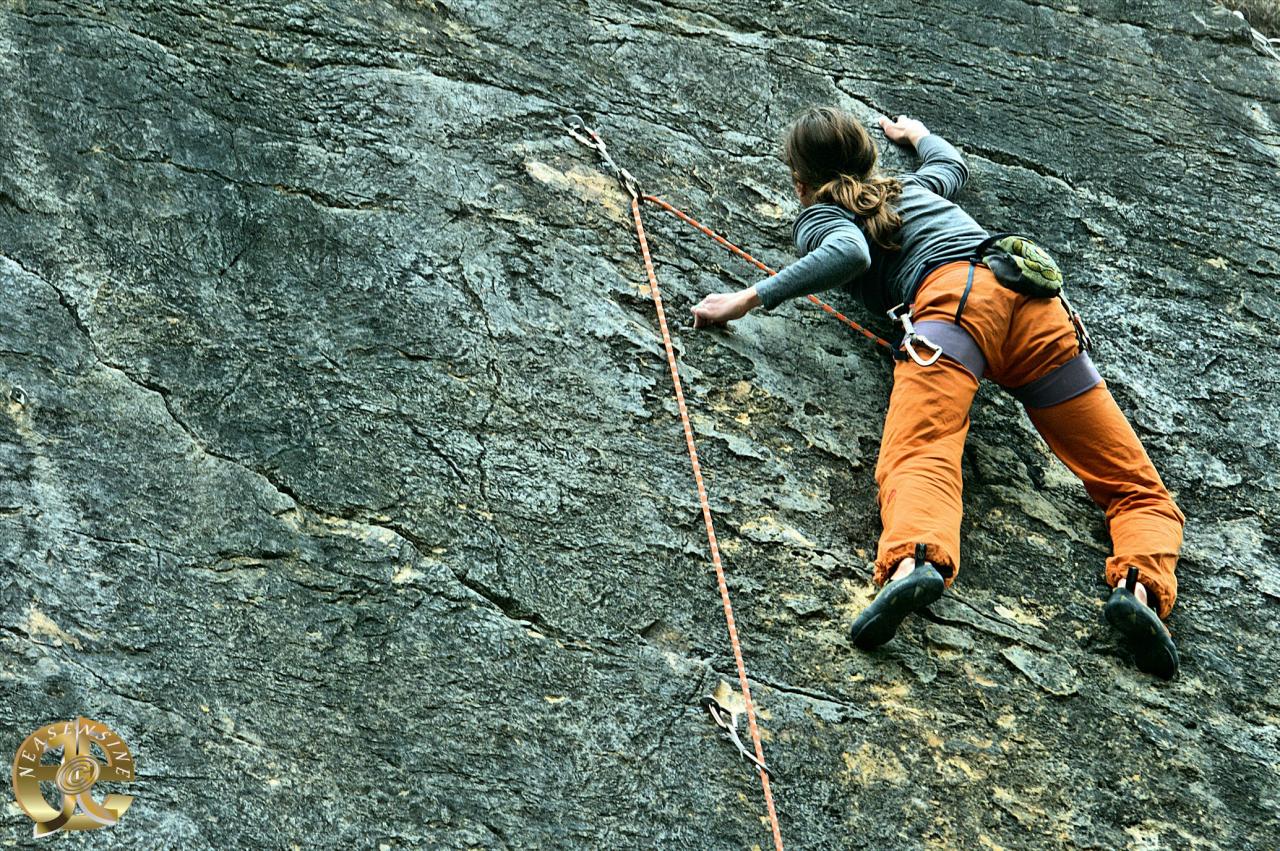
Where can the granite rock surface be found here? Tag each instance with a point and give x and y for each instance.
(340, 473)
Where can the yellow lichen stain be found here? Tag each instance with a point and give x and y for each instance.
(1023, 811)
(894, 691)
(855, 596)
(1217, 262)
(459, 32)
(740, 390)
(743, 418)
(1019, 616)
(38, 623)
(987, 842)
(980, 679)
(894, 701)
(871, 763)
(405, 574)
(553, 699)
(962, 765)
(1006, 721)
(586, 183)
(772, 211)
(771, 529)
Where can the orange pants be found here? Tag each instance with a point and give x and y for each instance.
(1023, 338)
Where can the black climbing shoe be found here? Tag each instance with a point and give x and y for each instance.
(1152, 646)
(899, 598)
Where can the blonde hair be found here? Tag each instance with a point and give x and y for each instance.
(829, 151)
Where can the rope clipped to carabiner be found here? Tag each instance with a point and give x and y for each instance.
(727, 720)
(578, 129)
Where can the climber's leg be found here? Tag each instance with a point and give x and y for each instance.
(1094, 439)
(918, 471)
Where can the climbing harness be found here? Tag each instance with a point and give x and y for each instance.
(578, 129)
(1020, 265)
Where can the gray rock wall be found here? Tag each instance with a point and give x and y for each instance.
(340, 475)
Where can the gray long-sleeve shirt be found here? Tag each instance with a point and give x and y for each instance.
(834, 251)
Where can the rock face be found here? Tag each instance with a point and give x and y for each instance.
(340, 474)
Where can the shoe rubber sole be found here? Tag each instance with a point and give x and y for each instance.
(1152, 646)
(880, 620)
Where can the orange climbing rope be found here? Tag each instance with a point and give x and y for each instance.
(685, 217)
(706, 517)
(577, 128)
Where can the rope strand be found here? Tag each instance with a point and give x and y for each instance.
(579, 130)
(706, 510)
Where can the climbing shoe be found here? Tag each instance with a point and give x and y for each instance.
(1152, 646)
(899, 598)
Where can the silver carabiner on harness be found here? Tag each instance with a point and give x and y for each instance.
(902, 313)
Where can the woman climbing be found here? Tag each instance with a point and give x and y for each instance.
(902, 241)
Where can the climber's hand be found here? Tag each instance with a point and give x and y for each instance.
(719, 308)
(903, 130)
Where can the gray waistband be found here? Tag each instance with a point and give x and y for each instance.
(955, 343)
(1066, 382)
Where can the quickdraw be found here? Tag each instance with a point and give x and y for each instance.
(727, 720)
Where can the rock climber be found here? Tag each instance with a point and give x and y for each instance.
(902, 241)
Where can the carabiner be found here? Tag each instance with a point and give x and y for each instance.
(902, 313)
(920, 338)
(573, 124)
(727, 720)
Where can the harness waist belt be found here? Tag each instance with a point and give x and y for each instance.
(1066, 382)
(955, 342)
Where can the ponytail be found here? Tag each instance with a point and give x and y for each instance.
(871, 200)
(831, 152)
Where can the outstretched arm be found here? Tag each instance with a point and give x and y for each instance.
(942, 169)
(833, 252)
(832, 249)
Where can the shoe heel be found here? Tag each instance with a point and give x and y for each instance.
(921, 552)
